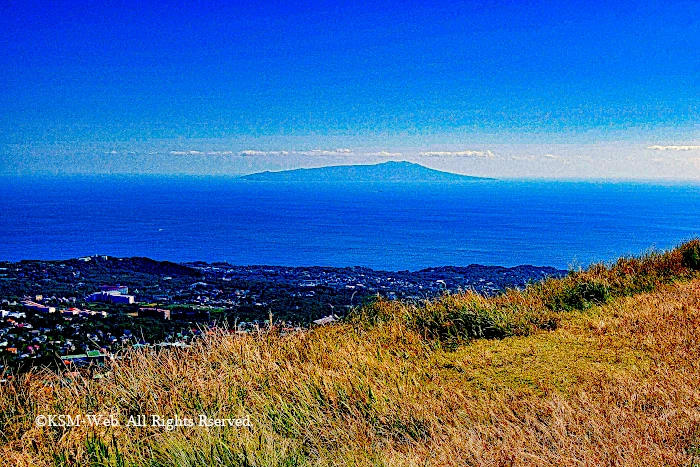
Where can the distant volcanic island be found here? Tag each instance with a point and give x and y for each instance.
(384, 172)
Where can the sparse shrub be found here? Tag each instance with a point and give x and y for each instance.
(453, 319)
(374, 312)
(691, 255)
(457, 318)
(585, 294)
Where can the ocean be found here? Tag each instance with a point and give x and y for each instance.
(393, 226)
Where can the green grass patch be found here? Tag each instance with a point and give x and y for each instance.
(454, 319)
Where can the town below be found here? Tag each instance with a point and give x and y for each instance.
(79, 312)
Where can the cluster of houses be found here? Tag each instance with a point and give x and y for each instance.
(43, 331)
(70, 311)
(188, 314)
(361, 280)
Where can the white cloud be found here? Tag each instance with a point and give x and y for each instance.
(250, 152)
(383, 154)
(197, 153)
(337, 152)
(312, 152)
(523, 158)
(324, 152)
(542, 158)
(674, 148)
(186, 153)
(466, 153)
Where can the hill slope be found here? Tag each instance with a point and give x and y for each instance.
(613, 381)
(385, 172)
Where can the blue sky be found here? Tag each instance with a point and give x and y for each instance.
(127, 88)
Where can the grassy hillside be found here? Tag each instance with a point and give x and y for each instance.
(599, 368)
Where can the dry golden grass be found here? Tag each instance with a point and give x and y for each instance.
(615, 384)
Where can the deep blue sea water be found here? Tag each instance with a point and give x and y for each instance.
(383, 226)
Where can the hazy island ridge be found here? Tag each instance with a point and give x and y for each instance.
(384, 172)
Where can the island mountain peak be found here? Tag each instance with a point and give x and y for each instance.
(391, 171)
